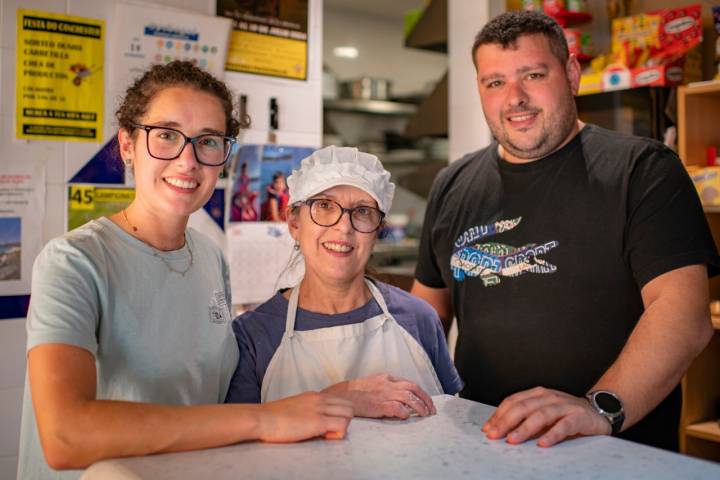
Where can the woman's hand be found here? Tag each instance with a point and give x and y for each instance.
(383, 395)
(304, 416)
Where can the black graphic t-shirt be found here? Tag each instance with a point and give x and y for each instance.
(545, 261)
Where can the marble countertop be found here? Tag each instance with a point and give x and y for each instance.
(447, 445)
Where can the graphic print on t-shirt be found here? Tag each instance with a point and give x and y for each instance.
(492, 260)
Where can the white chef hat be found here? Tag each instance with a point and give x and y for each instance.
(332, 166)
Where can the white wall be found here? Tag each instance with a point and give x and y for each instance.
(467, 129)
(300, 124)
(382, 51)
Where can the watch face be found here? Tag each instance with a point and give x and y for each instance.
(608, 402)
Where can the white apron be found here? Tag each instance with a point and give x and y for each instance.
(315, 359)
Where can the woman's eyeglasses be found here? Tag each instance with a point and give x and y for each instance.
(326, 213)
(165, 143)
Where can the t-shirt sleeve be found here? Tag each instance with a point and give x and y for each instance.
(666, 227)
(427, 270)
(244, 385)
(440, 357)
(64, 305)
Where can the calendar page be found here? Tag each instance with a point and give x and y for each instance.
(261, 260)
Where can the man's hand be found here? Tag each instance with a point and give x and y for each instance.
(383, 395)
(550, 414)
(304, 416)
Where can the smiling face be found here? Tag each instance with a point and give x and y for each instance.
(181, 186)
(338, 253)
(527, 96)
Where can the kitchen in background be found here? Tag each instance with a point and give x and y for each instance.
(378, 96)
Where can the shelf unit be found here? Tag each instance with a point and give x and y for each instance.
(371, 107)
(698, 118)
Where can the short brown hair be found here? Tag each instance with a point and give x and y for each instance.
(174, 74)
(506, 28)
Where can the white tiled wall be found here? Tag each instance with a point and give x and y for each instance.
(300, 123)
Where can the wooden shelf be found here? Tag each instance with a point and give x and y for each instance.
(705, 430)
(697, 107)
(698, 119)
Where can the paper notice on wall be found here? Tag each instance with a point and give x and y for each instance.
(146, 35)
(87, 202)
(59, 76)
(22, 210)
(260, 256)
(268, 38)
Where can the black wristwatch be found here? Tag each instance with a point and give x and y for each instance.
(610, 406)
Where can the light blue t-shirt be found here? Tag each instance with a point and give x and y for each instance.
(157, 336)
(260, 332)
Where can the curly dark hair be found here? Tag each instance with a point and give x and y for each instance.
(174, 74)
(506, 28)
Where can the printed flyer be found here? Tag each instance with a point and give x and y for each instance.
(147, 35)
(22, 210)
(59, 85)
(270, 37)
(86, 202)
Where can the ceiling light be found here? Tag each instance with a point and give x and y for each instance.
(345, 52)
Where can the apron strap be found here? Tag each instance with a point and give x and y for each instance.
(292, 311)
(378, 297)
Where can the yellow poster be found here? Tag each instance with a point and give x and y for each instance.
(59, 77)
(269, 37)
(87, 202)
(267, 55)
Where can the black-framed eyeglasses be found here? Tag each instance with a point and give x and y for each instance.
(166, 143)
(326, 213)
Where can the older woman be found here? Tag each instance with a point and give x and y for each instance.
(338, 330)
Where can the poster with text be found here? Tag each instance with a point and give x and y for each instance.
(22, 210)
(87, 202)
(147, 35)
(269, 37)
(59, 77)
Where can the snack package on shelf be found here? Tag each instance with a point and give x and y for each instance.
(650, 49)
(707, 183)
(713, 156)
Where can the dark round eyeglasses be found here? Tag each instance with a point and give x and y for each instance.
(326, 213)
(166, 143)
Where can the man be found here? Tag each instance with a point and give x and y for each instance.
(574, 258)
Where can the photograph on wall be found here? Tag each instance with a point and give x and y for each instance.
(245, 197)
(269, 37)
(22, 211)
(148, 35)
(10, 248)
(260, 191)
(87, 202)
(59, 80)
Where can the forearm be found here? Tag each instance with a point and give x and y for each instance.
(672, 331)
(98, 429)
(439, 299)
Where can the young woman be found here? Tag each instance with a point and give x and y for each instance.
(338, 330)
(129, 319)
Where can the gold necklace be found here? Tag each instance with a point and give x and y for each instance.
(159, 255)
